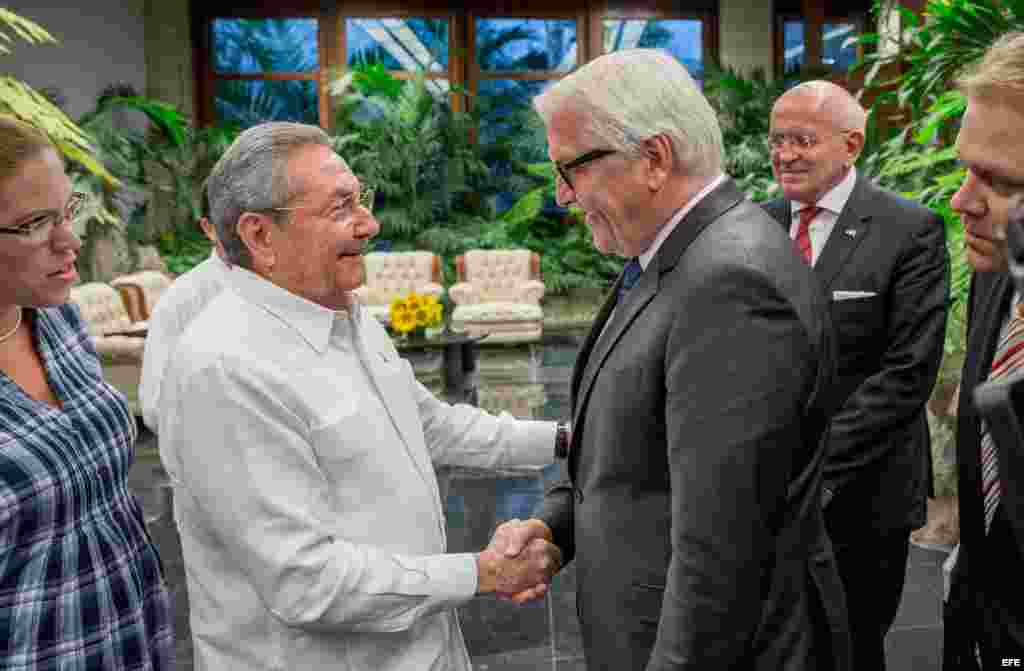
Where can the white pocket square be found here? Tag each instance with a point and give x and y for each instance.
(849, 295)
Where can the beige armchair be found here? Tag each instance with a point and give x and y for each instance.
(391, 275)
(119, 340)
(140, 291)
(498, 293)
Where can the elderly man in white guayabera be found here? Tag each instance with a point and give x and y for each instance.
(301, 447)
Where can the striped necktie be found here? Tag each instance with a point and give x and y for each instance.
(1009, 358)
(803, 232)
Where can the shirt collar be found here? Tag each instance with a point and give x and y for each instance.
(311, 321)
(670, 226)
(835, 200)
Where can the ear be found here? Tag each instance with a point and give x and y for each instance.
(660, 159)
(208, 229)
(257, 233)
(854, 145)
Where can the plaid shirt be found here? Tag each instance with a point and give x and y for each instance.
(81, 585)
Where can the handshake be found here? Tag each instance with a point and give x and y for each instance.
(518, 563)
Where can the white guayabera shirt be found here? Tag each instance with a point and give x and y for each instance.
(300, 447)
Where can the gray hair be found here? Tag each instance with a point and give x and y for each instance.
(252, 176)
(629, 96)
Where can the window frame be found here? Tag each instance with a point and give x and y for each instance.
(813, 60)
(463, 71)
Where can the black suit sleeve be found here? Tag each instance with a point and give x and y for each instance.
(890, 398)
(736, 381)
(556, 510)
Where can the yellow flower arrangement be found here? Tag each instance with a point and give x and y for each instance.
(415, 313)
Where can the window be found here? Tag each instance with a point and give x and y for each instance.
(402, 45)
(838, 51)
(683, 38)
(265, 70)
(258, 62)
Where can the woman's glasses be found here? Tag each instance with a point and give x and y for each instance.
(38, 227)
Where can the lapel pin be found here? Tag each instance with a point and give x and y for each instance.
(852, 232)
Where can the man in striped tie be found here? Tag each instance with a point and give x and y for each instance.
(986, 599)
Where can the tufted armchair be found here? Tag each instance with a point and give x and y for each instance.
(108, 322)
(140, 291)
(110, 325)
(391, 275)
(499, 293)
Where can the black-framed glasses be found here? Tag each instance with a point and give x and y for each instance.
(39, 226)
(564, 168)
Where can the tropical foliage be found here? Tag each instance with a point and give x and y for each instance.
(434, 186)
(920, 160)
(21, 100)
(744, 105)
(257, 46)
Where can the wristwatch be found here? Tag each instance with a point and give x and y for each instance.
(563, 433)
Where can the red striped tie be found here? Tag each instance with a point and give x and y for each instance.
(1009, 357)
(803, 234)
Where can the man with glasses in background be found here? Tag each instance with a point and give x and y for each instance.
(882, 261)
(691, 506)
(301, 447)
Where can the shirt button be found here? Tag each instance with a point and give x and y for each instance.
(579, 496)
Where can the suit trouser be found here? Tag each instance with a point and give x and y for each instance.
(873, 571)
(1001, 574)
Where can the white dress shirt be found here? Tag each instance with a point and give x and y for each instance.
(175, 310)
(831, 204)
(300, 447)
(670, 225)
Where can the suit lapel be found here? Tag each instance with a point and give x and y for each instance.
(849, 231)
(632, 305)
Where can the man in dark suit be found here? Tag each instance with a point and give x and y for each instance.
(987, 593)
(691, 507)
(882, 260)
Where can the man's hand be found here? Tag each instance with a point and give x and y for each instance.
(512, 576)
(514, 539)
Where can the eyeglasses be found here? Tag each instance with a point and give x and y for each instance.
(39, 226)
(342, 210)
(564, 168)
(797, 141)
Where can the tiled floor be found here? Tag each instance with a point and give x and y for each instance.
(546, 635)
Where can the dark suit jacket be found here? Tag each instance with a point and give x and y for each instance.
(890, 347)
(991, 294)
(691, 507)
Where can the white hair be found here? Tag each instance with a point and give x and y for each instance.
(629, 96)
(252, 176)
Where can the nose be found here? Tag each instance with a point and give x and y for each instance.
(967, 200)
(783, 153)
(365, 225)
(64, 239)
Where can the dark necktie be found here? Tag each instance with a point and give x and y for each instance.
(630, 276)
(803, 232)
